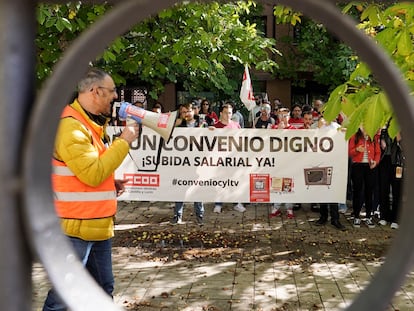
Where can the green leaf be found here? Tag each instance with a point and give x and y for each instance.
(348, 105)
(332, 110)
(394, 127)
(361, 71)
(60, 25)
(109, 56)
(373, 118)
(51, 22)
(388, 39)
(405, 44)
(179, 59)
(354, 121)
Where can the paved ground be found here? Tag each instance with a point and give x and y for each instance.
(240, 261)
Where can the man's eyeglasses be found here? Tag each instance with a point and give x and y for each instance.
(114, 90)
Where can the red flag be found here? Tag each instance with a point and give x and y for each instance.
(246, 91)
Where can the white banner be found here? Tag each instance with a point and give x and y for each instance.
(237, 165)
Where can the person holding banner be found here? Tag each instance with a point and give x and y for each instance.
(331, 208)
(307, 120)
(189, 121)
(225, 121)
(84, 186)
(283, 118)
(296, 119)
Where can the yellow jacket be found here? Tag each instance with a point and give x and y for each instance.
(74, 146)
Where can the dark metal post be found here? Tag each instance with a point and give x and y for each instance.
(17, 72)
(17, 59)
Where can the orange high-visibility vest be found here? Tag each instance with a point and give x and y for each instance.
(73, 198)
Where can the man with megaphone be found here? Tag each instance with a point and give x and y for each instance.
(84, 186)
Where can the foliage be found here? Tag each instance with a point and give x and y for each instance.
(361, 99)
(313, 49)
(361, 96)
(58, 26)
(200, 46)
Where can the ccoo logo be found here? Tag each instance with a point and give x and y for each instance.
(143, 180)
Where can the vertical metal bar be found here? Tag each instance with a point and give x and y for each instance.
(17, 24)
(388, 279)
(76, 287)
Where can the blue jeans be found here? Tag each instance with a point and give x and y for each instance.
(198, 209)
(96, 256)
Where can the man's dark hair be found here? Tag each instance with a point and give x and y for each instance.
(92, 77)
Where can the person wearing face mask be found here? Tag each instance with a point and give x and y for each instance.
(84, 186)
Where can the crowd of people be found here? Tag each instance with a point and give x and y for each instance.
(376, 164)
(84, 162)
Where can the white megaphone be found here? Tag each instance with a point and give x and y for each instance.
(162, 123)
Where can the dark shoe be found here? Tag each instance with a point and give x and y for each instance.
(320, 222)
(177, 220)
(369, 223)
(338, 225)
(297, 206)
(315, 208)
(200, 220)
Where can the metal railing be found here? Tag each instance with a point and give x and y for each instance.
(29, 227)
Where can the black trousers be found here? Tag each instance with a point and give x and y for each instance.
(333, 209)
(389, 184)
(363, 187)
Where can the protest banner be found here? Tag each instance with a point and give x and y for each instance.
(237, 165)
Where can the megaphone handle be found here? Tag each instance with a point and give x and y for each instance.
(131, 123)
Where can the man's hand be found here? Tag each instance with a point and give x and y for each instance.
(120, 186)
(130, 132)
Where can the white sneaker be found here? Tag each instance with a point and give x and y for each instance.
(394, 225)
(240, 208)
(217, 209)
(357, 223)
(382, 222)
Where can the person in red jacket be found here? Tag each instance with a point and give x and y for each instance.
(365, 154)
